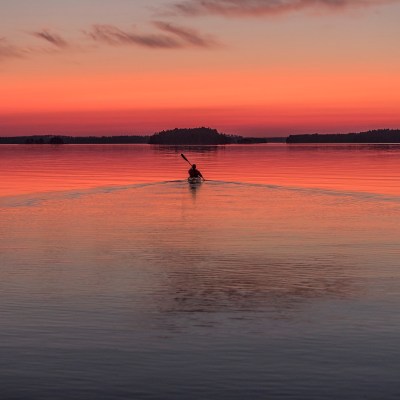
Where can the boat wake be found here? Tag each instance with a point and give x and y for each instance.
(36, 199)
(316, 190)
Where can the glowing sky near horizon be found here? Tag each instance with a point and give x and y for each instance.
(259, 67)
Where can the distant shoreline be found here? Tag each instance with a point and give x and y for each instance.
(192, 137)
(373, 137)
(207, 136)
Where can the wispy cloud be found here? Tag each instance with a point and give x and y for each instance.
(187, 35)
(8, 50)
(239, 8)
(51, 38)
(115, 36)
(171, 37)
(164, 36)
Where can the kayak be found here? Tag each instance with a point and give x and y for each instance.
(195, 181)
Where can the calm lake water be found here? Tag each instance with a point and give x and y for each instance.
(279, 278)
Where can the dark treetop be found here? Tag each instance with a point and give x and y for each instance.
(376, 136)
(191, 137)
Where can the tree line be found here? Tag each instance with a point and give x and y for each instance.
(177, 136)
(373, 136)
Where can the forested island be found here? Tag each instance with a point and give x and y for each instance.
(195, 136)
(373, 136)
(189, 136)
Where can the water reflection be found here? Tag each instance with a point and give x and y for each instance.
(194, 188)
(221, 291)
(188, 148)
(347, 147)
(215, 285)
(206, 248)
(362, 168)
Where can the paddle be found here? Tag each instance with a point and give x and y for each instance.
(183, 156)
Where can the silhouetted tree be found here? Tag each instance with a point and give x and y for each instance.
(56, 140)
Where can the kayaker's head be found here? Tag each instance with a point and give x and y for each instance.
(194, 166)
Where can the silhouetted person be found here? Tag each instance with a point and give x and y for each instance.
(195, 173)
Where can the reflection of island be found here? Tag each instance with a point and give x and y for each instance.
(193, 137)
(375, 136)
(184, 148)
(212, 285)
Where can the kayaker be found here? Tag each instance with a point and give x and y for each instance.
(195, 173)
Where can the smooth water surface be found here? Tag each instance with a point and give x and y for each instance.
(277, 279)
(29, 169)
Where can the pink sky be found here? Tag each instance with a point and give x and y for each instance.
(252, 68)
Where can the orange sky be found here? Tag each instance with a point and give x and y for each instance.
(131, 69)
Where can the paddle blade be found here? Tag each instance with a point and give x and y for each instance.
(183, 156)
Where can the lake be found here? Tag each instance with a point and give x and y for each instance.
(277, 278)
